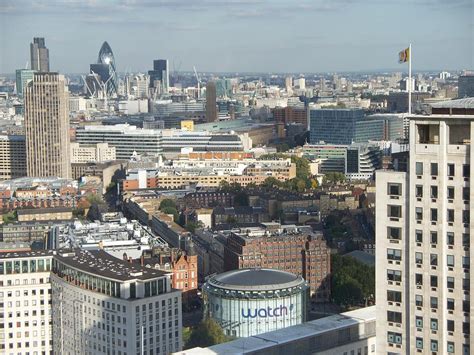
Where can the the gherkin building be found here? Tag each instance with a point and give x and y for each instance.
(105, 68)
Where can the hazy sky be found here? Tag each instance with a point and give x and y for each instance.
(241, 35)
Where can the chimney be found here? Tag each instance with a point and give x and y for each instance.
(125, 257)
(130, 260)
(142, 260)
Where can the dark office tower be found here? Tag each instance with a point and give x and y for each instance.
(39, 55)
(466, 86)
(105, 69)
(159, 76)
(211, 105)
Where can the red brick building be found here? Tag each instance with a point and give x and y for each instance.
(300, 253)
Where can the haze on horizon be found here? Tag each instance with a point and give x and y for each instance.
(241, 35)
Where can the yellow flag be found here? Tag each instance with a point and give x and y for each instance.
(404, 56)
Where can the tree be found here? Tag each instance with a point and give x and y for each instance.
(9, 217)
(271, 182)
(192, 226)
(171, 210)
(353, 282)
(167, 203)
(334, 177)
(205, 334)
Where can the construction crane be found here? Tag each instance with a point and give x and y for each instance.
(198, 81)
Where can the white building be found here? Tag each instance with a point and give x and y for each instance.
(25, 302)
(105, 305)
(424, 248)
(97, 153)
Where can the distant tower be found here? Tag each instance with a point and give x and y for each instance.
(211, 104)
(47, 126)
(105, 68)
(39, 55)
(159, 76)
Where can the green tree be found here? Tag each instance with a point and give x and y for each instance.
(192, 226)
(271, 182)
(167, 203)
(334, 177)
(206, 333)
(173, 211)
(10, 217)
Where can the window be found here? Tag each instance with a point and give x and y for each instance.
(466, 284)
(450, 347)
(419, 190)
(434, 191)
(450, 325)
(450, 169)
(419, 322)
(394, 254)
(418, 279)
(394, 233)
(434, 237)
(419, 236)
(434, 281)
(434, 214)
(465, 262)
(394, 211)
(394, 275)
(466, 240)
(434, 169)
(394, 189)
(434, 345)
(466, 194)
(395, 317)
(419, 168)
(450, 304)
(466, 170)
(466, 216)
(419, 300)
(395, 338)
(419, 343)
(451, 192)
(450, 238)
(434, 302)
(450, 215)
(434, 259)
(450, 282)
(419, 213)
(433, 324)
(466, 328)
(466, 306)
(419, 258)
(450, 260)
(394, 296)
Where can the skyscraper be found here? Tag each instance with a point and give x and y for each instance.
(23, 76)
(39, 55)
(159, 76)
(47, 126)
(424, 243)
(211, 104)
(105, 68)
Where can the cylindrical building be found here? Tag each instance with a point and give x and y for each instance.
(248, 302)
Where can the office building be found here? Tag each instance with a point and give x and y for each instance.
(159, 76)
(106, 71)
(97, 153)
(25, 302)
(224, 88)
(211, 104)
(286, 249)
(39, 55)
(424, 244)
(47, 126)
(130, 140)
(249, 302)
(12, 157)
(102, 304)
(291, 114)
(334, 126)
(348, 333)
(466, 86)
(23, 76)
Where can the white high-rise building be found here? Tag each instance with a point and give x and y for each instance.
(102, 304)
(424, 246)
(25, 302)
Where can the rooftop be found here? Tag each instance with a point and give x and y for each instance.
(467, 102)
(99, 262)
(255, 279)
(27, 211)
(26, 254)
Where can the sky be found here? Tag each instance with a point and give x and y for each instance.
(241, 35)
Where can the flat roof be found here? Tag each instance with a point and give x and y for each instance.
(27, 211)
(255, 279)
(102, 264)
(467, 102)
(25, 254)
(261, 342)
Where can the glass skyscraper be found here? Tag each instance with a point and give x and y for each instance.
(334, 126)
(105, 68)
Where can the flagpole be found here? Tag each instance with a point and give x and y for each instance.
(409, 79)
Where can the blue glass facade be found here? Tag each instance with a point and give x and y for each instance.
(105, 68)
(334, 126)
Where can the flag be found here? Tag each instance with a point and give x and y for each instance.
(404, 56)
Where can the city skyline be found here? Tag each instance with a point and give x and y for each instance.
(240, 35)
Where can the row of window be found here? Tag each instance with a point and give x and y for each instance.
(395, 211)
(466, 169)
